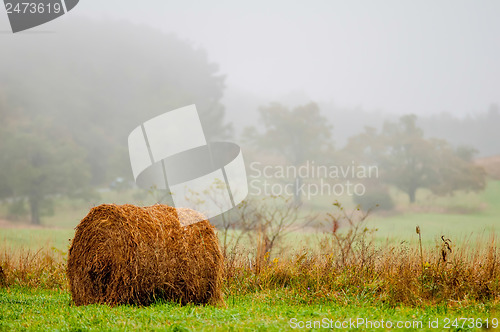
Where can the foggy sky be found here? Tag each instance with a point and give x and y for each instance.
(398, 56)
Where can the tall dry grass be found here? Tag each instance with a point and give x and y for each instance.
(45, 268)
(388, 274)
(348, 265)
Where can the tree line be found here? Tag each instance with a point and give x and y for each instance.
(406, 158)
(68, 103)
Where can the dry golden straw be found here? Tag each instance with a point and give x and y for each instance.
(125, 254)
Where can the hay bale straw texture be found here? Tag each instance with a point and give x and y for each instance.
(3, 279)
(125, 254)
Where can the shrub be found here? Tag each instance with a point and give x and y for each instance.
(376, 196)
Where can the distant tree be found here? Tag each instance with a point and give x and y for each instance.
(103, 95)
(457, 170)
(299, 134)
(365, 147)
(410, 161)
(479, 129)
(39, 162)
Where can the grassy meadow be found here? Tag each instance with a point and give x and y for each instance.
(40, 309)
(312, 277)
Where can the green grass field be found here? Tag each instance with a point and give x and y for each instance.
(34, 309)
(462, 217)
(481, 222)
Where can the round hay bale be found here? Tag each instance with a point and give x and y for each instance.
(125, 254)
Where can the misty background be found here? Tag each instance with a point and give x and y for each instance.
(384, 58)
(73, 89)
(397, 57)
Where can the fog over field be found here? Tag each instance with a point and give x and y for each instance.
(290, 82)
(420, 57)
(362, 61)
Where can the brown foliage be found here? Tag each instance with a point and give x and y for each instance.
(390, 275)
(43, 268)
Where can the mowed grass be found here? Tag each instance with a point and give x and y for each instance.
(36, 309)
(18, 239)
(465, 217)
